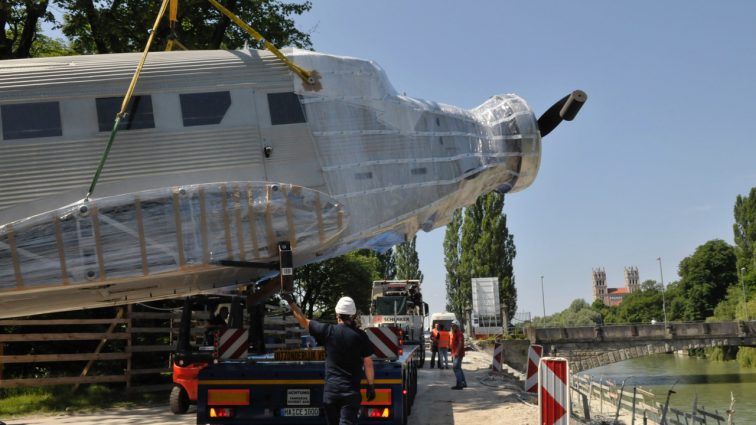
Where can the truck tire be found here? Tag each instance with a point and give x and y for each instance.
(179, 400)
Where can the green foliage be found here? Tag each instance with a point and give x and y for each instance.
(479, 245)
(747, 357)
(319, 286)
(456, 298)
(19, 22)
(25, 401)
(44, 46)
(638, 307)
(721, 354)
(579, 313)
(705, 277)
(111, 26)
(726, 308)
(406, 261)
(745, 231)
(388, 265)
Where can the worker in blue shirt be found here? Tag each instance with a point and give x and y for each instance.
(348, 352)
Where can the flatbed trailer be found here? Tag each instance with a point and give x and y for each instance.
(269, 392)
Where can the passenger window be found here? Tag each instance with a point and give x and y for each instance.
(285, 108)
(204, 108)
(419, 171)
(138, 113)
(30, 120)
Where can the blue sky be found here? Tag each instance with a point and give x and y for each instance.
(652, 165)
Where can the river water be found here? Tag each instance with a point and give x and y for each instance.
(712, 381)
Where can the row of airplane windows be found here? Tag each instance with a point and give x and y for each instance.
(42, 119)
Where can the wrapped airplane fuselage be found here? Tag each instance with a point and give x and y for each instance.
(225, 154)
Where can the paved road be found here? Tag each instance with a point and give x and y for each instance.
(486, 401)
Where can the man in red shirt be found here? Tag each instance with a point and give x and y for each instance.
(458, 352)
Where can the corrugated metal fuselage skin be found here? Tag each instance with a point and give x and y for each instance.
(391, 165)
(268, 383)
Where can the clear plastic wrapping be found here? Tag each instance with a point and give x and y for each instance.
(158, 231)
(391, 163)
(401, 164)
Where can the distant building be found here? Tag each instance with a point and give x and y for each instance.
(614, 296)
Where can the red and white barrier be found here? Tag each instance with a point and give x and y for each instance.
(498, 356)
(385, 341)
(553, 393)
(534, 357)
(233, 343)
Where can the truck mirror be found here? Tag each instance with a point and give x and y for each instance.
(425, 309)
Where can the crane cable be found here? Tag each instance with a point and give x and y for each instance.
(127, 99)
(307, 76)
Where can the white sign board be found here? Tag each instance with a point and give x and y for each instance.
(486, 314)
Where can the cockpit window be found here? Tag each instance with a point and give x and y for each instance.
(30, 120)
(285, 108)
(204, 108)
(138, 113)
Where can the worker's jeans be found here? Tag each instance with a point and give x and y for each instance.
(443, 353)
(457, 367)
(342, 409)
(434, 350)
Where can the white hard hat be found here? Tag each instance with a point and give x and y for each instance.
(346, 306)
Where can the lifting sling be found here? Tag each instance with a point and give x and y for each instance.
(307, 76)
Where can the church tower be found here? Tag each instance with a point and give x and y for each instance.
(599, 284)
(632, 280)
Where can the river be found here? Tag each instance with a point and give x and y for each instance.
(712, 381)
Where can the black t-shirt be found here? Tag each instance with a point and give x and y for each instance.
(346, 347)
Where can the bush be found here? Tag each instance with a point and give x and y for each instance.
(747, 357)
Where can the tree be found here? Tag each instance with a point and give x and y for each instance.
(579, 313)
(387, 264)
(319, 286)
(19, 22)
(406, 261)
(455, 301)
(705, 277)
(478, 244)
(111, 26)
(745, 231)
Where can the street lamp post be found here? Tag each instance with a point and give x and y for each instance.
(664, 301)
(745, 298)
(543, 299)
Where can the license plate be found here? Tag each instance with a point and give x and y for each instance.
(300, 411)
(298, 397)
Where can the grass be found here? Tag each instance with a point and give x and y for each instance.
(49, 400)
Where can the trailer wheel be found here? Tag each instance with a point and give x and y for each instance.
(179, 400)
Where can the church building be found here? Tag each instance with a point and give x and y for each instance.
(614, 296)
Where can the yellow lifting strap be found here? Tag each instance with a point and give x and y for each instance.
(304, 74)
(172, 19)
(126, 99)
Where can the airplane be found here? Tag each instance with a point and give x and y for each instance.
(222, 156)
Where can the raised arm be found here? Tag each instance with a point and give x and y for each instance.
(303, 321)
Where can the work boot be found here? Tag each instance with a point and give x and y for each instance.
(457, 387)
